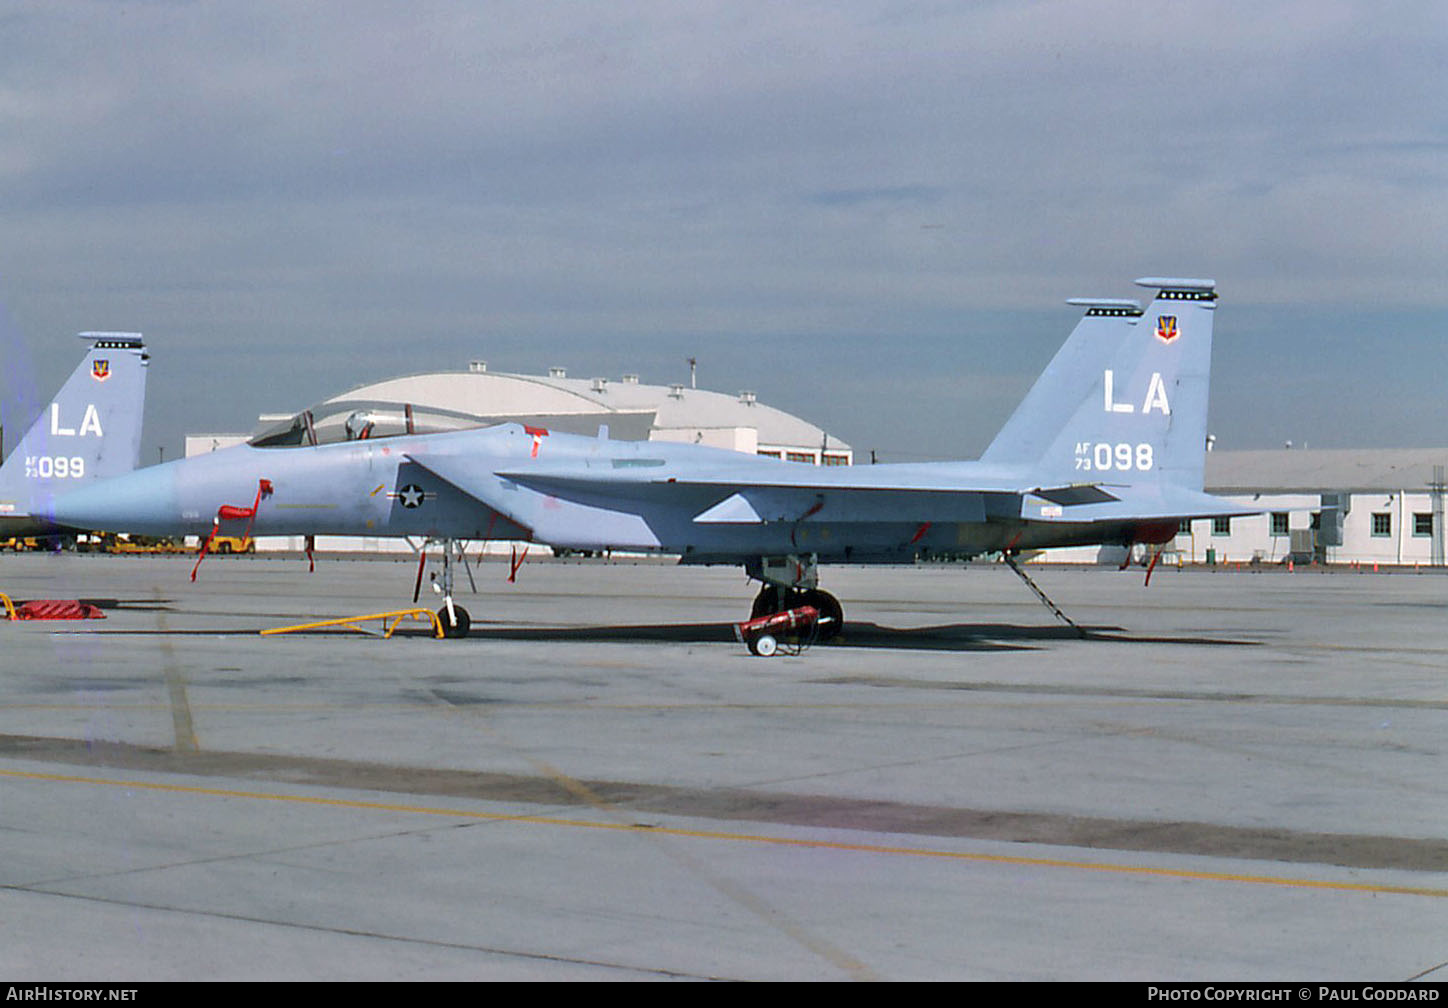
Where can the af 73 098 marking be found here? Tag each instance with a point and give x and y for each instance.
(1105, 457)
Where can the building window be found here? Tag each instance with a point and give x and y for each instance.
(807, 457)
(768, 454)
(1185, 527)
(1221, 526)
(1382, 524)
(832, 459)
(1423, 524)
(1279, 523)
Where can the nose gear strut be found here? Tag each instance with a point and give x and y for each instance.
(453, 618)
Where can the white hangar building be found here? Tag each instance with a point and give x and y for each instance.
(631, 411)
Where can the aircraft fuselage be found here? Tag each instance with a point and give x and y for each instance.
(381, 488)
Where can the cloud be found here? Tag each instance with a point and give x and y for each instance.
(273, 175)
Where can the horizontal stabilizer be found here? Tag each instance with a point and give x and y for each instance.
(1071, 496)
(1162, 502)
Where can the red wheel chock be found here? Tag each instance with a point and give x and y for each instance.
(50, 609)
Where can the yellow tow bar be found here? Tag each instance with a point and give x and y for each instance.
(390, 621)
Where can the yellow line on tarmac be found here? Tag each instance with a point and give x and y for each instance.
(859, 848)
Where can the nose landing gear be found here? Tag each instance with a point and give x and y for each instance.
(453, 618)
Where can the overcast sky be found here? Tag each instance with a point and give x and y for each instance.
(868, 213)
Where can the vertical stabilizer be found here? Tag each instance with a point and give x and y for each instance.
(90, 430)
(1032, 428)
(1124, 404)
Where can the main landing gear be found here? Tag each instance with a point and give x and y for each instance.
(790, 582)
(777, 599)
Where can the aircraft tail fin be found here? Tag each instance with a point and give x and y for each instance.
(1125, 399)
(1033, 426)
(89, 431)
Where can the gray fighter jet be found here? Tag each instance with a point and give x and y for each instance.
(1107, 448)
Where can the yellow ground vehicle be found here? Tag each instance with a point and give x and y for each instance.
(233, 544)
(143, 544)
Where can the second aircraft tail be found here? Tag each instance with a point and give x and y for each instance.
(90, 430)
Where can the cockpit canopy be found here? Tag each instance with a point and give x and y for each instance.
(334, 422)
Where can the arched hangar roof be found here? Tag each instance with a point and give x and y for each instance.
(632, 410)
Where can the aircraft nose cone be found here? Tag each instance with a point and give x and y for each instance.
(143, 501)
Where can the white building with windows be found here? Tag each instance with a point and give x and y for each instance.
(1364, 506)
(1357, 506)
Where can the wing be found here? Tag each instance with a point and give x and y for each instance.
(768, 493)
(786, 497)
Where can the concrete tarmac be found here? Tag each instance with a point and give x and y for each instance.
(1234, 776)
